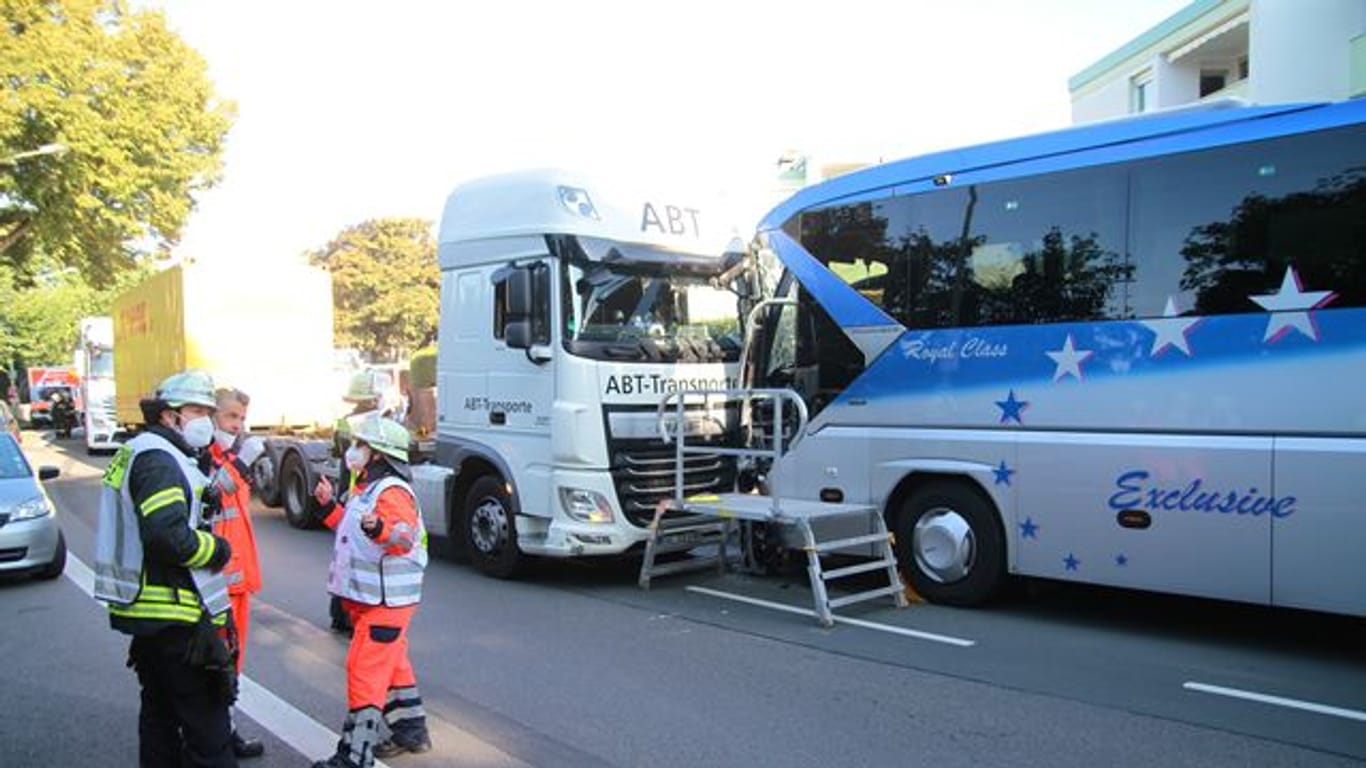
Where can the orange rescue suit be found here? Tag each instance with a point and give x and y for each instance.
(377, 665)
(243, 570)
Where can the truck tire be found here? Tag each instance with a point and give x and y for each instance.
(490, 529)
(264, 480)
(949, 544)
(301, 510)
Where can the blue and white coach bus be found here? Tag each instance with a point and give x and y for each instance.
(1130, 353)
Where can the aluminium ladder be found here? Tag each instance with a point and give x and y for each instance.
(709, 519)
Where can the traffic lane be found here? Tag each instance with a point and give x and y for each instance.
(289, 656)
(1127, 650)
(460, 706)
(65, 689)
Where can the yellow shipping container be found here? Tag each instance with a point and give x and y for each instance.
(267, 332)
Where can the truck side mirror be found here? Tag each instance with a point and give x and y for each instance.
(520, 302)
(517, 334)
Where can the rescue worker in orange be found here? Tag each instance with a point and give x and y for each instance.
(229, 462)
(378, 559)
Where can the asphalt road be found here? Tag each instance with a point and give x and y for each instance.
(575, 666)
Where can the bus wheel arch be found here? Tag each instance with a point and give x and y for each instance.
(486, 521)
(950, 540)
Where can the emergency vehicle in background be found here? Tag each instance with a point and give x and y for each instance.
(43, 383)
(568, 309)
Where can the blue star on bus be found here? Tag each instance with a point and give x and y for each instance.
(1121, 560)
(1011, 408)
(1029, 529)
(1003, 473)
(1070, 562)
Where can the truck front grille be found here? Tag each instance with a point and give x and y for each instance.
(643, 474)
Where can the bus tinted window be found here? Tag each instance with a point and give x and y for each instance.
(1038, 250)
(1210, 229)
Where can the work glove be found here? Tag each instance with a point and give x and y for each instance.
(222, 553)
(251, 450)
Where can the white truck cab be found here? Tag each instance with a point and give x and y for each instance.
(568, 310)
(95, 363)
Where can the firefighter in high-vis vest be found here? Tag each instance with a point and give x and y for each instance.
(365, 394)
(158, 567)
(228, 464)
(378, 558)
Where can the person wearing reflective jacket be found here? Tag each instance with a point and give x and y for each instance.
(228, 463)
(157, 567)
(378, 559)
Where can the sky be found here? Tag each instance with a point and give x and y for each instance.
(355, 110)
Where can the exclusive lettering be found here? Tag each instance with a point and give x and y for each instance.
(1134, 492)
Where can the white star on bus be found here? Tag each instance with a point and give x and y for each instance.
(1069, 359)
(1171, 330)
(1289, 308)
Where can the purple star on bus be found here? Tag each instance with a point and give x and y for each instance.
(1012, 408)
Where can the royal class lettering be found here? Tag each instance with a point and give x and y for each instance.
(974, 348)
(1135, 492)
(656, 384)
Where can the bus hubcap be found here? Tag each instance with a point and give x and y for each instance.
(490, 526)
(944, 545)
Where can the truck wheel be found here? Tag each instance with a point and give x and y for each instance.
(263, 481)
(300, 507)
(949, 544)
(490, 528)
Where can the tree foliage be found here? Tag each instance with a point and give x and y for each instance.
(386, 285)
(133, 105)
(38, 323)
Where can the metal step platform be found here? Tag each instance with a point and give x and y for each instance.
(711, 518)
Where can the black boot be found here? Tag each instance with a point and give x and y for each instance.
(246, 747)
(400, 743)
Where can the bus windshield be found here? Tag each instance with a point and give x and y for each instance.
(637, 303)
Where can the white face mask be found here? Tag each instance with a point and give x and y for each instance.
(224, 439)
(198, 432)
(357, 457)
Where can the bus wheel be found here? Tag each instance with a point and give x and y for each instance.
(490, 528)
(949, 544)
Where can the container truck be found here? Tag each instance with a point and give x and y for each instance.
(266, 330)
(567, 310)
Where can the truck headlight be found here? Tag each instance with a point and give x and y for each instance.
(585, 505)
(28, 510)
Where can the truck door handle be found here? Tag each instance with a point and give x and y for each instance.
(498, 417)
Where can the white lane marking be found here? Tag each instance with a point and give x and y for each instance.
(946, 639)
(301, 732)
(1279, 701)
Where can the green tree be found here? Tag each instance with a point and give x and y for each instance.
(386, 285)
(38, 323)
(136, 112)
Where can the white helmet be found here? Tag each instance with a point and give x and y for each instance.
(384, 435)
(190, 387)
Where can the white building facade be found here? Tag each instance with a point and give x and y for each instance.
(1260, 51)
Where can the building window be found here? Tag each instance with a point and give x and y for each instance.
(1141, 93)
(1212, 81)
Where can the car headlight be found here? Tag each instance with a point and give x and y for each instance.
(585, 505)
(28, 510)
